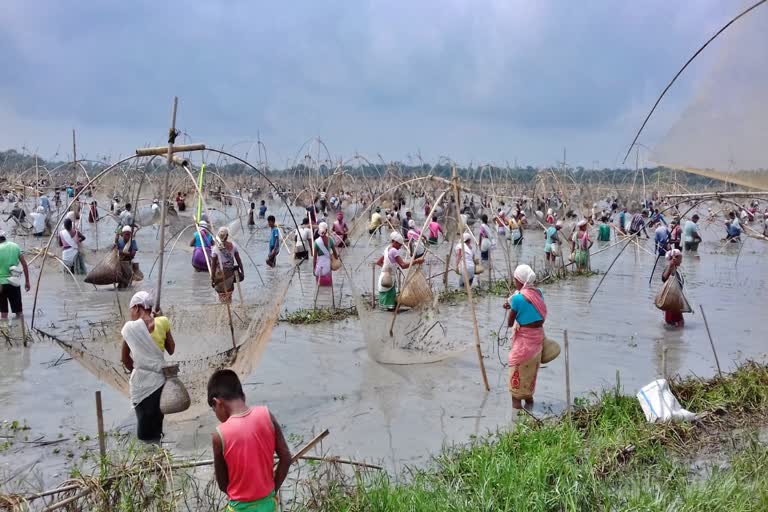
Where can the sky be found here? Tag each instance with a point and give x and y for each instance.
(477, 81)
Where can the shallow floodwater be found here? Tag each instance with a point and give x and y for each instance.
(322, 376)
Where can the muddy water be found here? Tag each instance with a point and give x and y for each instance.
(316, 377)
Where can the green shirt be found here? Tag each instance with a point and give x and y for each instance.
(604, 234)
(9, 256)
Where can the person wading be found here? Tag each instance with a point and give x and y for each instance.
(466, 251)
(321, 261)
(389, 262)
(226, 266)
(202, 243)
(674, 260)
(526, 307)
(145, 339)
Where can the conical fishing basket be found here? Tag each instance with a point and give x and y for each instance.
(416, 291)
(174, 397)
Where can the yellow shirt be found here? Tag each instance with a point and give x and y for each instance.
(162, 327)
(375, 221)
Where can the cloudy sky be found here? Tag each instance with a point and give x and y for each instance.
(475, 80)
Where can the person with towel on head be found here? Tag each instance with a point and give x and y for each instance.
(580, 245)
(551, 243)
(127, 249)
(145, 340)
(226, 265)
(389, 262)
(202, 242)
(526, 308)
(321, 261)
(466, 251)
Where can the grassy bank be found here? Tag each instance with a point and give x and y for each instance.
(605, 457)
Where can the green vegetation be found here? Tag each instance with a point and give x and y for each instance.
(605, 457)
(318, 315)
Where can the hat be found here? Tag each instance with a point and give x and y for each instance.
(582, 222)
(396, 237)
(467, 236)
(322, 228)
(127, 229)
(203, 224)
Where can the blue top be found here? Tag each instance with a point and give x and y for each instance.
(524, 310)
(45, 202)
(274, 239)
(733, 230)
(262, 210)
(551, 234)
(121, 245)
(208, 239)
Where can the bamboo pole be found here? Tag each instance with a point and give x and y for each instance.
(164, 150)
(164, 208)
(610, 267)
(711, 342)
(100, 426)
(567, 374)
(468, 287)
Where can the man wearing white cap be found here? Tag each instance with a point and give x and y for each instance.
(10, 284)
(466, 251)
(127, 248)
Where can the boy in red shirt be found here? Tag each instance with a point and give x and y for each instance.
(244, 446)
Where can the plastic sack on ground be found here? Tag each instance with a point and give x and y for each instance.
(660, 405)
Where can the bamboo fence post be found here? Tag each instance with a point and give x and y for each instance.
(100, 426)
(373, 287)
(468, 287)
(567, 375)
(164, 209)
(712, 343)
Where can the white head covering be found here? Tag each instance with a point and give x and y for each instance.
(3, 234)
(223, 232)
(396, 237)
(411, 223)
(549, 211)
(40, 209)
(559, 224)
(582, 222)
(143, 299)
(203, 224)
(672, 254)
(126, 229)
(467, 236)
(322, 228)
(525, 275)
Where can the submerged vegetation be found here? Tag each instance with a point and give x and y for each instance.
(605, 456)
(318, 315)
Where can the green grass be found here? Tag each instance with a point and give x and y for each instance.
(318, 315)
(605, 457)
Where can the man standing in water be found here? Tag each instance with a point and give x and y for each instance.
(10, 286)
(691, 236)
(274, 241)
(638, 224)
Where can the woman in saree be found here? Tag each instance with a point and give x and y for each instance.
(674, 259)
(389, 262)
(202, 242)
(580, 245)
(321, 260)
(526, 307)
(226, 265)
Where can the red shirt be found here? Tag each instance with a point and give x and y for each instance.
(248, 441)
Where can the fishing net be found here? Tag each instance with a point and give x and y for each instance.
(197, 331)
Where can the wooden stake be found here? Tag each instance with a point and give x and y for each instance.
(100, 426)
(468, 288)
(164, 209)
(567, 374)
(373, 288)
(712, 343)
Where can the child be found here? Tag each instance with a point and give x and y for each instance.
(244, 446)
(274, 241)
